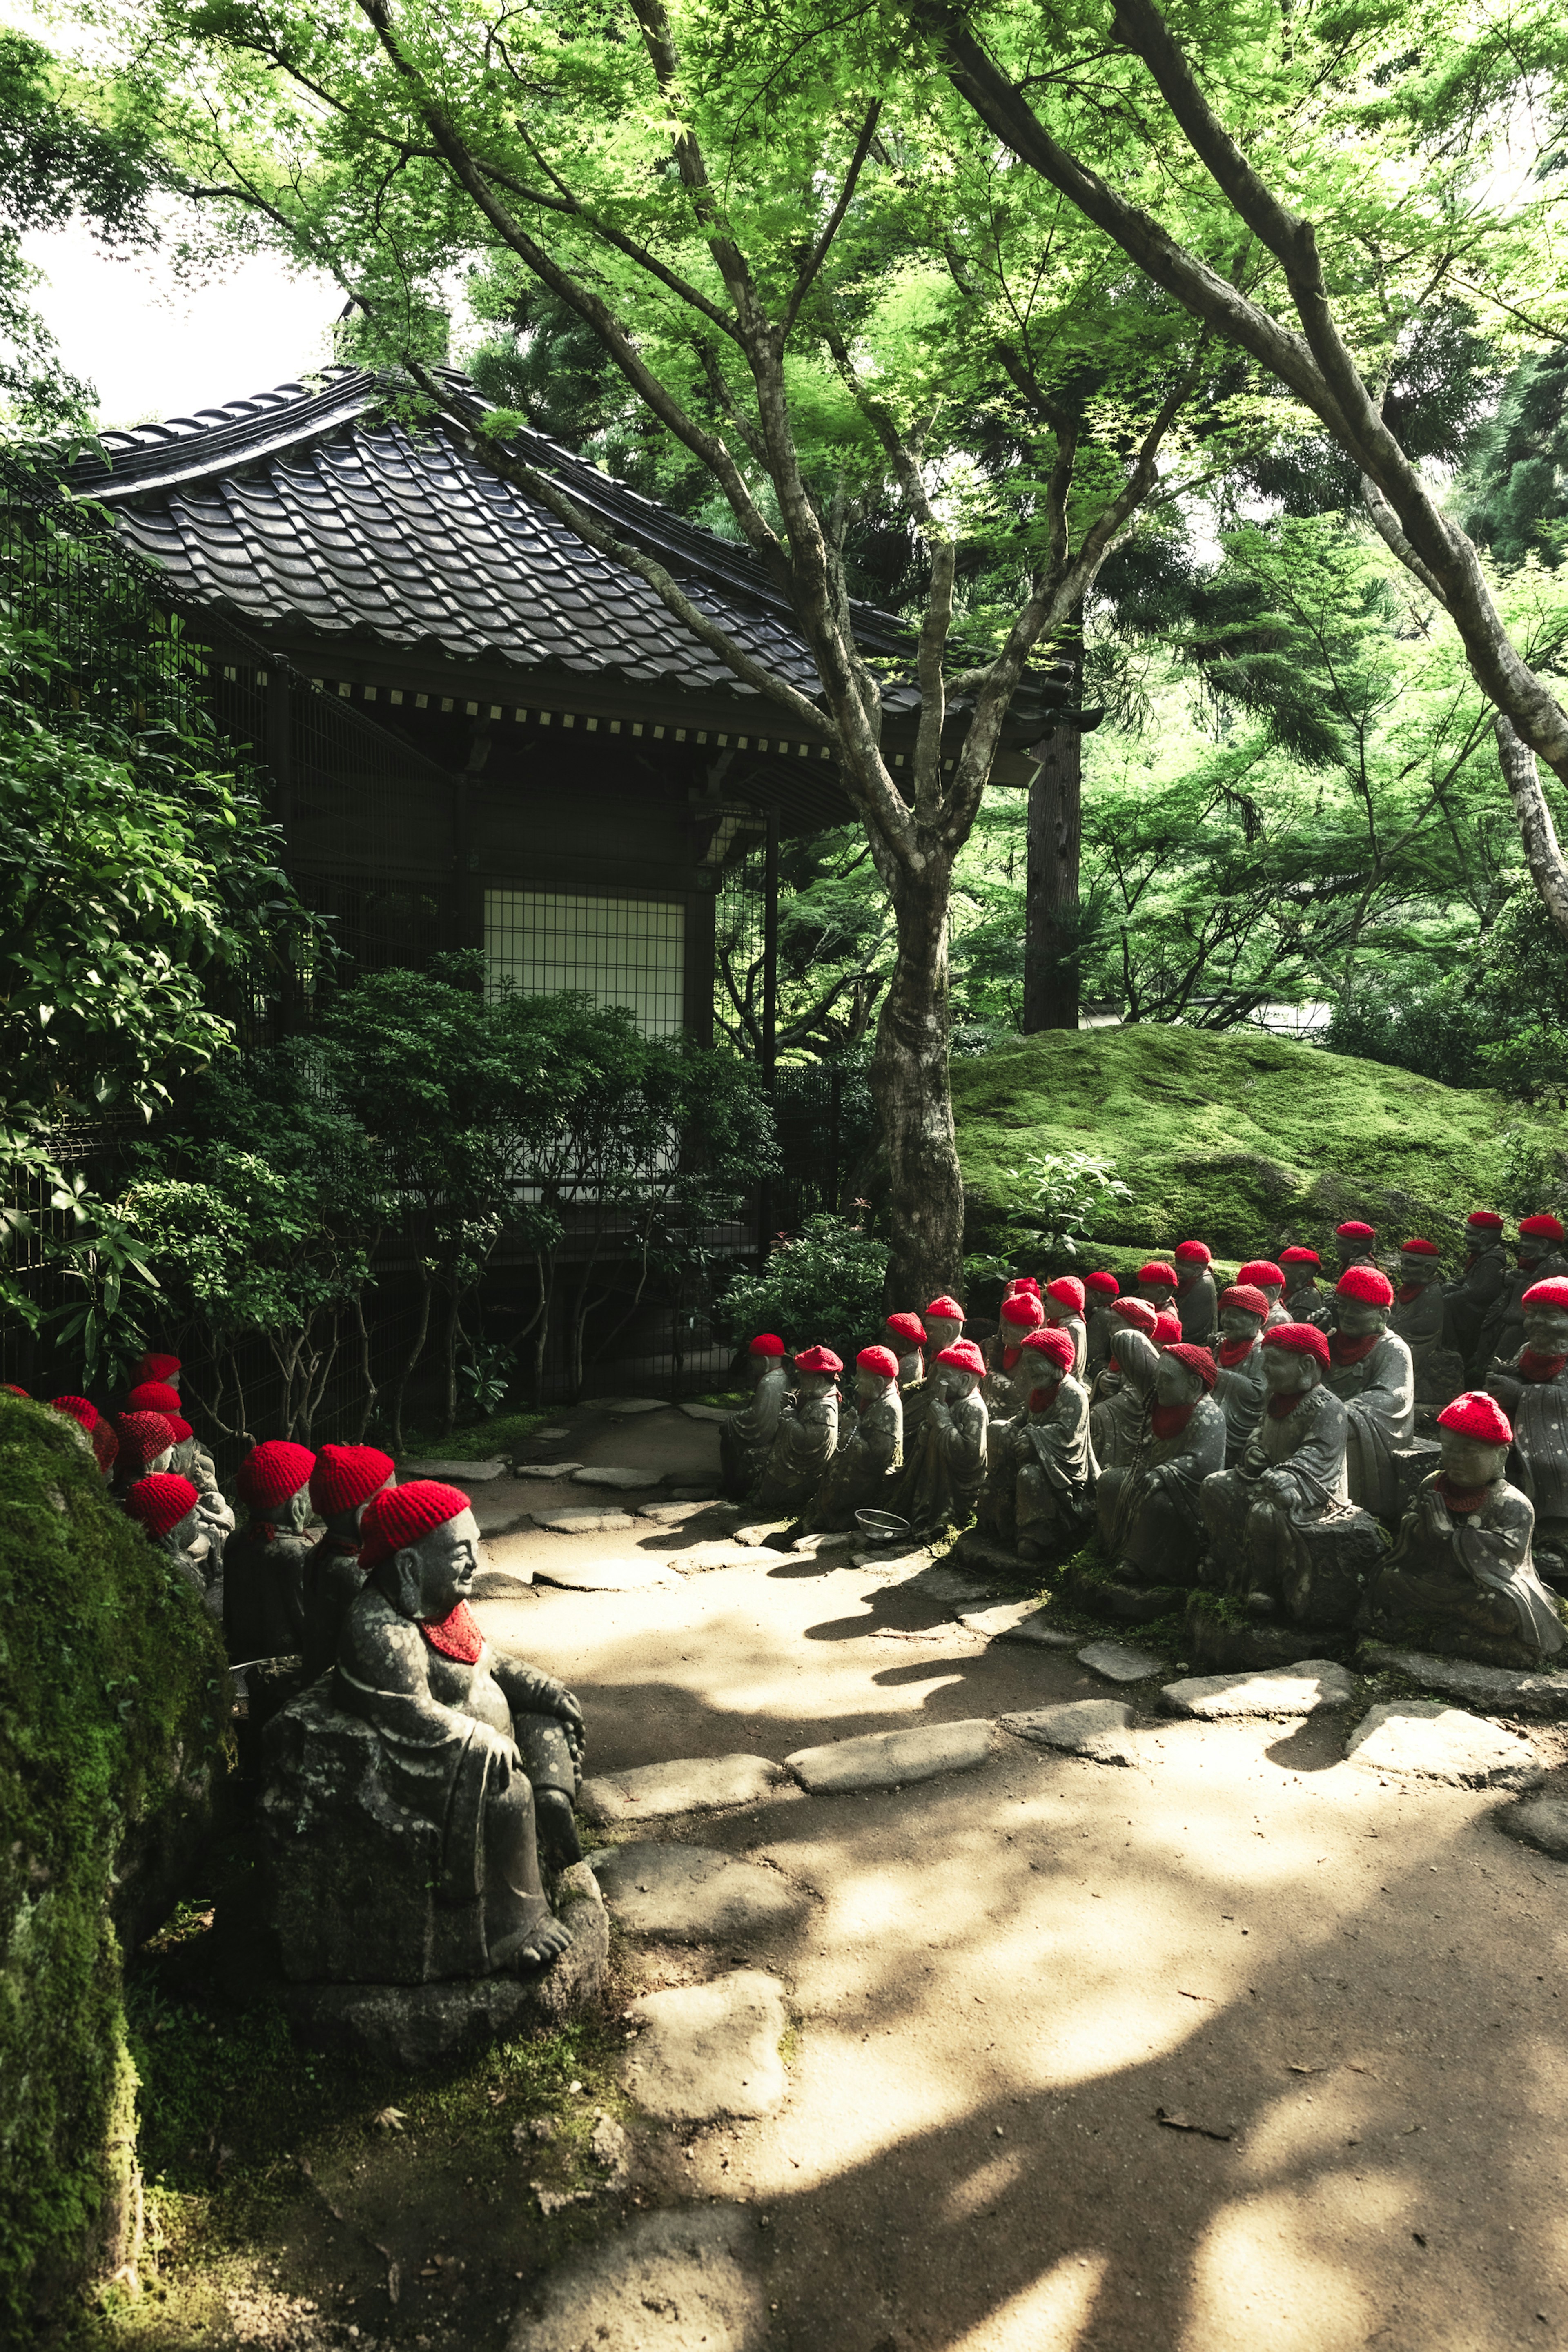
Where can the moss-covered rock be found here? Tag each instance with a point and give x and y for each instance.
(113, 1712)
(1243, 1140)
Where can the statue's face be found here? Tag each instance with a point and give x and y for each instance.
(869, 1387)
(816, 1384)
(1469, 1460)
(1546, 1330)
(1174, 1384)
(1158, 1293)
(759, 1368)
(1239, 1323)
(184, 1536)
(1419, 1268)
(1289, 1373)
(1357, 1317)
(441, 1566)
(1046, 1381)
(960, 1383)
(160, 1461)
(941, 1332)
(1349, 1252)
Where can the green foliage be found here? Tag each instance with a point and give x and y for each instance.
(112, 1692)
(1514, 490)
(822, 1286)
(1058, 1200)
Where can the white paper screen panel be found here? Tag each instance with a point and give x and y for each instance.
(630, 951)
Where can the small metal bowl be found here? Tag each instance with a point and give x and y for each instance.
(882, 1527)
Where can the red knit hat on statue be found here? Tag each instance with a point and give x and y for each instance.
(1416, 1247)
(1167, 1328)
(152, 1396)
(180, 1425)
(1297, 1255)
(1365, 1282)
(767, 1343)
(1242, 1295)
(346, 1476)
(1023, 1310)
(1301, 1339)
(1056, 1346)
(1543, 1228)
(105, 1446)
(1137, 1312)
(1548, 1294)
(1157, 1271)
(1486, 1220)
(907, 1326)
(1022, 1282)
(963, 1356)
(819, 1360)
(1259, 1270)
(1193, 1253)
(272, 1472)
(157, 1368)
(1475, 1414)
(880, 1360)
(1352, 1230)
(160, 1502)
(401, 1515)
(1066, 1291)
(1104, 1286)
(946, 1310)
(1197, 1359)
(143, 1437)
(9, 1387)
(78, 1409)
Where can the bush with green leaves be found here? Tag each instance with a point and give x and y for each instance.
(822, 1286)
(1057, 1200)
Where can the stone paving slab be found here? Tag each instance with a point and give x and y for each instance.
(937, 1581)
(606, 1475)
(708, 2050)
(891, 1760)
(1315, 1684)
(507, 1556)
(670, 2282)
(1016, 1621)
(640, 1574)
(709, 1412)
(1099, 1728)
(1490, 1686)
(585, 1522)
(1540, 1822)
(547, 1469)
(698, 1559)
(823, 1542)
(624, 1407)
(1119, 1662)
(758, 1533)
(444, 1469)
(1423, 1739)
(697, 1784)
(694, 1894)
(667, 1515)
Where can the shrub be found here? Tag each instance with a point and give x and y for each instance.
(822, 1286)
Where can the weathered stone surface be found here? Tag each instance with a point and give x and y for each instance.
(822, 1542)
(672, 2282)
(624, 1406)
(1424, 1739)
(1496, 1688)
(457, 1471)
(1119, 1599)
(547, 1469)
(937, 1581)
(1222, 1646)
(1118, 1662)
(1016, 1621)
(585, 1522)
(709, 1412)
(985, 1559)
(669, 1514)
(507, 1556)
(1099, 1728)
(709, 2049)
(698, 1559)
(606, 1474)
(636, 1573)
(1412, 1463)
(889, 1760)
(697, 1784)
(759, 1532)
(1300, 1689)
(693, 1893)
(1540, 1822)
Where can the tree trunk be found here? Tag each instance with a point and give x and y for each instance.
(1051, 902)
(908, 1082)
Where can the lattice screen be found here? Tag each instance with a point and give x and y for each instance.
(627, 952)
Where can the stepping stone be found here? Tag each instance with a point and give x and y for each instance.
(761, 1532)
(709, 1412)
(1016, 1621)
(697, 1784)
(602, 1575)
(625, 1405)
(1118, 1662)
(708, 2050)
(693, 1893)
(1289, 1690)
(698, 1559)
(472, 1470)
(891, 1760)
(665, 1514)
(1421, 1738)
(1100, 1729)
(937, 1581)
(549, 1436)
(597, 1476)
(1493, 1687)
(505, 1556)
(1540, 1822)
(669, 2283)
(815, 1543)
(546, 1469)
(585, 1522)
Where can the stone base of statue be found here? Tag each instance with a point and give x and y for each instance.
(1090, 1583)
(1551, 1547)
(1413, 1463)
(1422, 1612)
(983, 1556)
(1323, 1559)
(1228, 1643)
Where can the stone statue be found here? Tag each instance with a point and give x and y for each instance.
(1369, 1371)
(146, 1443)
(1116, 1407)
(1100, 1292)
(1262, 1274)
(1036, 1495)
(746, 1439)
(1418, 1313)
(100, 1437)
(1301, 1268)
(1460, 1577)
(906, 1335)
(1542, 1250)
(408, 1795)
(1020, 1314)
(1482, 1282)
(191, 1460)
(1532, 1390)
(1239, 1388)
(807, 1439)
(870, 1449)
(1148, 1504)
(1197, 1302)
(1269, 1517)
(1064, 1304)
(344, 1482)
(945, 1469)
(263, 1565)
(166, 1506)
(1353, 1244)
(1157, 1284)
(944, 1323)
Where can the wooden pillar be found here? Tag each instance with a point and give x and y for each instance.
(1051, 977)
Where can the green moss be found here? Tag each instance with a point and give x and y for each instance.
(1220, 1605)
(1241, 1140)
(476, 1441)
(112, 1697)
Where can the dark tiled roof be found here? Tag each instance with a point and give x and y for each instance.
(304, 510)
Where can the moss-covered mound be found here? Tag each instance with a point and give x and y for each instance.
(1242, 1140)
(112, 1716)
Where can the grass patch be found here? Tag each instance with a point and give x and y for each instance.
(477, 1441)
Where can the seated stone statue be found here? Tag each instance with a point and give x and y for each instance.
(1116, 1406)
(165, 1505)
(1543, 1253)
(1020, 1314)
(1417, 1315)
(1369, 1372)
(1100, 1292)
(1238, 1387)
(192, 1459)
(407, 1796)
(1157, 1284)
(342, 1483)
(263, 1565)
(1302, 1296)
(870, 1450)
(1354, 1244)
(944, 1470)
(1262, 1274)
(1037, 1486)
(1150, 1521)
(1064, 1305)
(1197, 1302)
(1460, 1577)
(1267, 1516)
(746, 1439)
(1532, 1390)
(1482, 1281)
(906, 1335)
(806, 1438)
(942, 1325)
(145, 1445)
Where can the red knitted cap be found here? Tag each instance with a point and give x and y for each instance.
(880, 1360)
(1197, 1359)
(1068, 1291)
(1259, 1270)
(1242, 1294)
(1352, 1230)
(1055, 1345)
(1193, 1253)
(1416, 1247)
(1105, 1283)
(1477, 1415)
(152, 1396)
(767, 1343)
(11, 1389)
(1022, 1282)
(963, 1356)
(345, 1476)
(142, 1436)
(1299, 1256)
(105, 1445)
(1366, 1283)
(273, 1471)
(1301, 1339)
(400, 1515)
(1024, 1310)
(1546, 1228)
(160, 1502)
(1167, 1328)
(907, 1326)
(819, 1360)
(946, 1310)
(78, 1409)
(180, 1425)
(1488, 1219)
(157, 1368)
(1158, 1271)
(1137, 1312)
(1548, 1294)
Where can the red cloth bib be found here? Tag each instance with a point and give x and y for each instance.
(1540, 1367)
(457, 1636)
(1460, 1498)
(1170, 1420)
(1351, 1351)
(1409, 1290)
(1041, 1399)
(1281, 1408)
(1235, 1351)
(1010, 1357)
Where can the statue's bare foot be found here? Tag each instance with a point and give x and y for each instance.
(557, 1826)
(537, 1948)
